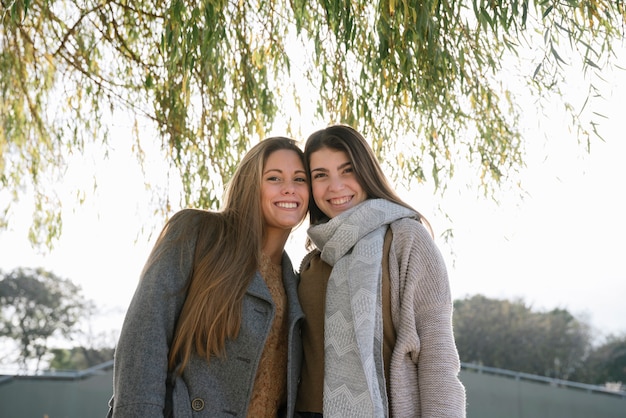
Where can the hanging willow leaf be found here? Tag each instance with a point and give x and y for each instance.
(209, 77)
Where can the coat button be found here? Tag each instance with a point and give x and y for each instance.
(197, 404)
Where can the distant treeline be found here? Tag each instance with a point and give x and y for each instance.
(37, 307)
(510, 335)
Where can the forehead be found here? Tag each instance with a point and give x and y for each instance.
(328, 156)
(280, 158)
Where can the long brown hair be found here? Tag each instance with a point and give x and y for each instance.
(366, 167)
(226, 256)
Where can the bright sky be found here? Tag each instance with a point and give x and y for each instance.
(563, 246)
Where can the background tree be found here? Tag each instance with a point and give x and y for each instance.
(90, 347)
(605, 363)
(200, 79)
(35, 306)
(510, 335)
(79, 358)
(567, 339)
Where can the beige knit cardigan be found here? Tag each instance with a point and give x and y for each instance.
(424, 363)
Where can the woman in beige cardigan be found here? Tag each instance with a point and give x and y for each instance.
(377, 337)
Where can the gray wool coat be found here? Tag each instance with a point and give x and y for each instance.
(220, 389)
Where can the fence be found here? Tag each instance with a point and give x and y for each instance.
(491, 393)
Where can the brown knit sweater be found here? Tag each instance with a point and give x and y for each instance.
(270, 386)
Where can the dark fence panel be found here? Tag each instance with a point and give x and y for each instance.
(491, 393)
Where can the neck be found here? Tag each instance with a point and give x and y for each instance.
(274, 244)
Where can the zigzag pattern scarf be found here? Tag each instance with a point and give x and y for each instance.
(352, 242)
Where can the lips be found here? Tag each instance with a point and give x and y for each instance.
(287, 205)
(340, 200)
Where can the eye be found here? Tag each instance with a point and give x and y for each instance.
(300, 179)
(273, 178)
(318, 175)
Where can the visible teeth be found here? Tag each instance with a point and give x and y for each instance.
(340, 201)
(287, 205)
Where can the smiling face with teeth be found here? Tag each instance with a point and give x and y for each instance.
(284, 191)
(334, 183)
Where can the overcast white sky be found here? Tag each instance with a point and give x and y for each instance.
(564, 246)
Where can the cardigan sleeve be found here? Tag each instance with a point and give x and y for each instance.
(141, 355)
(426, 363)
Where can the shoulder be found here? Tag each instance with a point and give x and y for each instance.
(192, 216)
(409, 229)
(306, 261)
(417, 264)
(188, 220)
(180, 233)
(411, 238)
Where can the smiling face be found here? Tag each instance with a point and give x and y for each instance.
(334, 183)
(284, 190)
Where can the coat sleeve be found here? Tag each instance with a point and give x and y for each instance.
(425, 328)
(141, 355)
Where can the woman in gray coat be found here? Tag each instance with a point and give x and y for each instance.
(213, 329)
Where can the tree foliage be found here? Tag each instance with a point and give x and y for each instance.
(36, 305)
(79, 358)
(605, 363)
(510, 335)
(201, 79)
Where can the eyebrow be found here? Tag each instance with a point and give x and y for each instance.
(278, 170)
(347, 163)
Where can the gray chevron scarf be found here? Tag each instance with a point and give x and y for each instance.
(352, 242)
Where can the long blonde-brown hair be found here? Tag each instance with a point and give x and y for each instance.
(226, 256)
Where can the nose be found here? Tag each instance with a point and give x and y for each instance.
(335, 184)
(289, 187)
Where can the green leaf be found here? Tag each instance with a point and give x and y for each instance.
(547, 11)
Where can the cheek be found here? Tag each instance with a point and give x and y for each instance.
(304, 191)
(355, 185)
(318, 191)
(264, 198)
